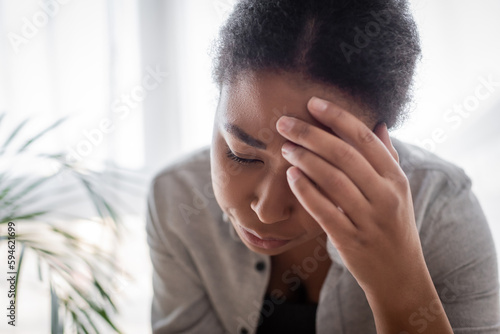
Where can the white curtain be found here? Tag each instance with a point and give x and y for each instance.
(89, 59)
(74, 58)
(177, 34)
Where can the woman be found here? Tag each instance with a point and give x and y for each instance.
(304, 215)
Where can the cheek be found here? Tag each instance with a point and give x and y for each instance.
(310, 225)
(231, 191)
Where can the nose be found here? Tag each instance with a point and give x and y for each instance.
(274, 200)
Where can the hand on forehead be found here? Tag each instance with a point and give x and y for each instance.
(256, 101)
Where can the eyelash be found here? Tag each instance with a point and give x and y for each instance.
(239, 160)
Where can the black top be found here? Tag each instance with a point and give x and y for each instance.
(287, 317)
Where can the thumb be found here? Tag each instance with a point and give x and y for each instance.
(382, 133)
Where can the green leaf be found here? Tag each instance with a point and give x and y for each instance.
(82, 327)
(97, 309)
(13, 135)
(18, 274)
(5, 220)
(54, 311)
(2, 115)
(8, 188)
(72, 252)
(101, 205)
(28, 189)
(104, 315)
(89, 319)
(39, 265)
(65, 234)
(54, 156)
(40, 134)
(105, 295)
(60, 197)
(75, 320)
(44, 251)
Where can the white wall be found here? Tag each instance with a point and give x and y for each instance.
(461, 50)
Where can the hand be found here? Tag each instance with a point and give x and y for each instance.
(362, 197)
(352, 185)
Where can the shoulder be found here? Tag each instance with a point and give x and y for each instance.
(417, 162)
(432, 179)
(456, 240)
(187, 168)
(182, 192)
(188, 171)
(443, 200)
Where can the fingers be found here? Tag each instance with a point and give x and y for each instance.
(333, 150)
(354, 132)
(330, 218)
(383, 134)
(332, 182)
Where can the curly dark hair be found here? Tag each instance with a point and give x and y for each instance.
(367, 49)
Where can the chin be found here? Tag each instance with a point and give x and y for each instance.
(270, 252)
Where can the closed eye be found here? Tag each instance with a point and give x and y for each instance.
(240, 160)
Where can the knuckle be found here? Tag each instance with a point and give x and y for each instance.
(333, 181)
(396, 155)
(346, 153)
(392, 201)
(363, 240)
(366, 136)
(403, 181)
(398, 179)
(328, 217)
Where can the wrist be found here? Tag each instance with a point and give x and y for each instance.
(396, 309)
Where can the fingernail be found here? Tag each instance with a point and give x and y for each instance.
(288, 147)
(285, 123)
(293, 174)
(318, 104)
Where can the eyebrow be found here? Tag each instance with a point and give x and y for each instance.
(243, 136)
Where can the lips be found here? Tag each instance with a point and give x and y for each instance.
(262, 237)
(257, 241)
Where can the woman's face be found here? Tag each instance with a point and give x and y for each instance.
(248, 170)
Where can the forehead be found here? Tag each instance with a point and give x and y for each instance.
(257, 97)
(255, 101)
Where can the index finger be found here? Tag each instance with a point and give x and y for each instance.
(354, 132)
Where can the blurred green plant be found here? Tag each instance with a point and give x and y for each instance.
(79, 273)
